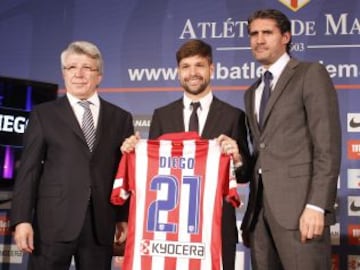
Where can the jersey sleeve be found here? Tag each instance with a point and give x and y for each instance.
(120, 192)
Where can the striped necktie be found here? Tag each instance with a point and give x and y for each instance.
(87, 124)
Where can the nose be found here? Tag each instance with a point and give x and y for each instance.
(79, 72)
(192, 71)
(260, 38)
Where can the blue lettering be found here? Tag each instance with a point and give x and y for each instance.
(176, 162)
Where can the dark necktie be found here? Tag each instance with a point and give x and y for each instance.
(194, 120)
(87, 124)
(265, 96)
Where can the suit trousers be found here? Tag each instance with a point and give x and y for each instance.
(275, 247)
(88, 254)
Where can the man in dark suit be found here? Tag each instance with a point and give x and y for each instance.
(297, 147)
(216, 119)
(61, 205)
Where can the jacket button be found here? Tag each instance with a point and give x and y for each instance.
(262, 145)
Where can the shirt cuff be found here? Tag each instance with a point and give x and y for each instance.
(316, 208)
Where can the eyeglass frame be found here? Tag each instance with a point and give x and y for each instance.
(86, 69)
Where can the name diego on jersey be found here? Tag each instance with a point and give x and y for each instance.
(172, 249)
(177, 162)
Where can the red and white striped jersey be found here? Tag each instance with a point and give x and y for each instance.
(177, 184)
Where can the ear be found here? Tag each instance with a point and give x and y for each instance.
(99, 79)
(212, 69)
(286, 37)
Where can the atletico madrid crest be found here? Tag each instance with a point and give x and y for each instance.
(295, 5)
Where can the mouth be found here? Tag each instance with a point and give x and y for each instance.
(260, 49)
(195, 80)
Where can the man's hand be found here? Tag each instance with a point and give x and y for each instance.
(130, 143)
(311, 224)
(230, 147)
(24, 237)
(121, 232)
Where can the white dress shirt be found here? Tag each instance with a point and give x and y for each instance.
(79, 110)
(202, 112)
(276, 69)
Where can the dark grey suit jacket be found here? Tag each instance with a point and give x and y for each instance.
(222, 119)
(57, 171)
(299, 147)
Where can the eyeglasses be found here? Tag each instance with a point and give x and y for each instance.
(83, 69)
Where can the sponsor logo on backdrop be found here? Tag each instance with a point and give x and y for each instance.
(353, 262)
(4, 225)
(354, 234)
(353, 122)
(142, 124)
(335, 234)
(294, 5)
(353, 149)
(353, 179)
(354, 205)
(335, 262)
(10, 254)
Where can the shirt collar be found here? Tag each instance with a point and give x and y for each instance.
(204, 101)
(277, 68)
(94, 99)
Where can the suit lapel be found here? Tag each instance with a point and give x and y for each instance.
(66, 113)
(285, 76)
(250, 107)
(214, 119)
(178, 109)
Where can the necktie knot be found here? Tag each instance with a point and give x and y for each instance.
(87, 124)
(195, 106)
(85, 104)
(268, 76)
(194, 121)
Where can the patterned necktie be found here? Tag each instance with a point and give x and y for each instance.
(87, 124)
(265, 96)
(194, 121)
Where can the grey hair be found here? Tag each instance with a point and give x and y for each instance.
(85, 48)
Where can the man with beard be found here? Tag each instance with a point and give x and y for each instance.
(216, 119)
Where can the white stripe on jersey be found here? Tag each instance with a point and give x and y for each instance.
(140, 191)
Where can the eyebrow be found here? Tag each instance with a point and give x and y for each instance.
(268, 31)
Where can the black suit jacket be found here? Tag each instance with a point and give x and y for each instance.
(222, 119)
(57, 172)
